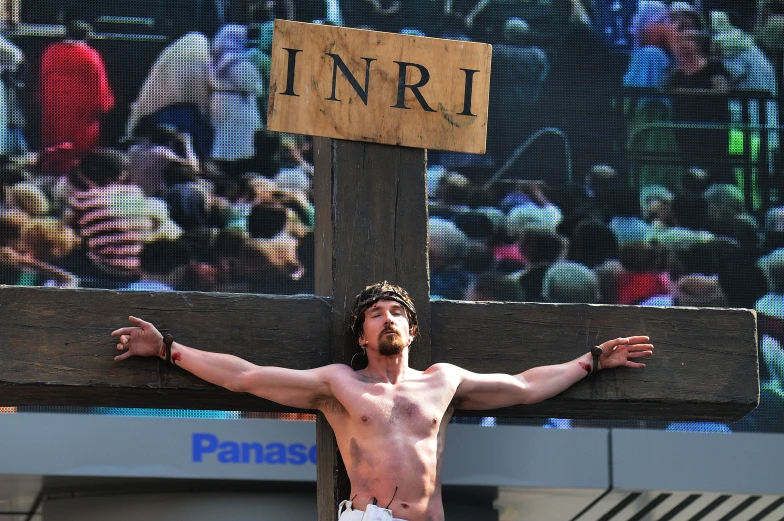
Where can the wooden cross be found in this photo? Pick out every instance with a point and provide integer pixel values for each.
(371, 225)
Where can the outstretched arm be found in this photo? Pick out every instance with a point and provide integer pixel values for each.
(290, 387)
(492, 391)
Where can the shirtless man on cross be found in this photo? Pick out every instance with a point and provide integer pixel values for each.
(389, 419)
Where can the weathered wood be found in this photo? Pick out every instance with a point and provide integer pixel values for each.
(322, 229)
(310, 94)
(380, 233)
(371, 201)
(56, 348)
(718, 346)
(332, 485)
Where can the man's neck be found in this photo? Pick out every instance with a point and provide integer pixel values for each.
(387, 369)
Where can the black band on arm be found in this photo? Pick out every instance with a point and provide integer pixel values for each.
(596, 352)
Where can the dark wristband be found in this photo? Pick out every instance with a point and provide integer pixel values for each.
(168, 340)
(596, 352)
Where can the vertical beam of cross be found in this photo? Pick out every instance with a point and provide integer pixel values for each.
(371, 224)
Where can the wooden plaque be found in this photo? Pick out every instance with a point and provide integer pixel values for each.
(379, 87)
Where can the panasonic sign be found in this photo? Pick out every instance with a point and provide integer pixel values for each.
(266, 449)
(208, 447)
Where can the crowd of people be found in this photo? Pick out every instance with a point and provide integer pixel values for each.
(198, 195)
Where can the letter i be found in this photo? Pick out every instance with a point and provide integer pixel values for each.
(292, 64)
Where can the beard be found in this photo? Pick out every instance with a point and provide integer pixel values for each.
(391, 345)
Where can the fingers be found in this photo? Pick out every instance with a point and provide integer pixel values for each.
(640, 347)
(138, 322)
(634, 365)
(123, 356)
(612, 344)
(638, 354)
(634, 341)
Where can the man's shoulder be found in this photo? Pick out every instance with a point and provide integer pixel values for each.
(444, 369)
(339, 378)
(337, 370)
(338, 367)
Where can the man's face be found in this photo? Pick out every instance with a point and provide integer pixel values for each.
(386, 328)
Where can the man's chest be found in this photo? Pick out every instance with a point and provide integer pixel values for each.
(401, 407)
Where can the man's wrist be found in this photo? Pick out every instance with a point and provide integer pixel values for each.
(165, 352)
(596, 363)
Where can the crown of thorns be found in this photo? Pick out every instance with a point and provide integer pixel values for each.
(380, 291)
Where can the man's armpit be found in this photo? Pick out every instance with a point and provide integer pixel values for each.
(456, 403)
(325, 403)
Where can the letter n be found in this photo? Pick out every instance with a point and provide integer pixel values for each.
(338, 63)
(256, 448)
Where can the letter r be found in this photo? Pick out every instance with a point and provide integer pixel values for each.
(402, 86)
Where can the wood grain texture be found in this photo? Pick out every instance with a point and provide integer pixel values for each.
(56, 346)
(380, 233)
(372, 203)
(300, 104)
(704, 367)
(322, 195)
(55, 349)
(332, 483)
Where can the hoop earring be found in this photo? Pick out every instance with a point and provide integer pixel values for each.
(364, 352)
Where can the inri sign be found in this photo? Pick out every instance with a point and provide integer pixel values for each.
(379, 87)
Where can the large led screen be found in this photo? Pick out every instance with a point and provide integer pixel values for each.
(633, 155)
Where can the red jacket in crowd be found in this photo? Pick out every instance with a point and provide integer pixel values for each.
(75, 93)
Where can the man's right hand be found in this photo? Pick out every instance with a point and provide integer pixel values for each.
(141, 340)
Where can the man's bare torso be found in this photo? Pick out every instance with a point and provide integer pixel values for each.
(391, 437)
(389, 420)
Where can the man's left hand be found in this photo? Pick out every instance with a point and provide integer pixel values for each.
(621, 351)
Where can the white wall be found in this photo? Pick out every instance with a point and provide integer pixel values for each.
(183, 507)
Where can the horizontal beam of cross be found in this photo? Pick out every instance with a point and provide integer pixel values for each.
(55, 348)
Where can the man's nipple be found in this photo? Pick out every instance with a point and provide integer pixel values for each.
(364, 418)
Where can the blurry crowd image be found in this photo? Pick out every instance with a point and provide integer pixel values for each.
(633, 157)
